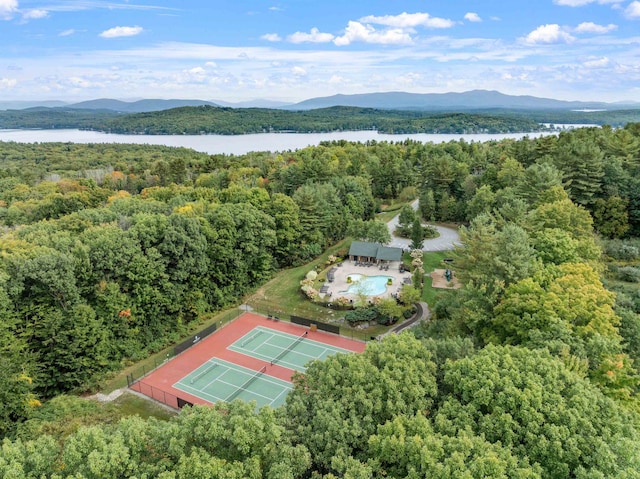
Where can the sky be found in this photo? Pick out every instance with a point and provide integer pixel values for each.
(291, 50)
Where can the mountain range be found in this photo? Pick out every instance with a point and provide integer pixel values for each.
(465, 101)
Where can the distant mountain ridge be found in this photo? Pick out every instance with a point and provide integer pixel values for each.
(22, 105)
(140, 106)
(470, 100)
(259, 103)
(437, 102)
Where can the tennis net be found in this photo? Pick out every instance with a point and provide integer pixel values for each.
(289, 348)
(247, 341)
(202, 373)
(237, 392)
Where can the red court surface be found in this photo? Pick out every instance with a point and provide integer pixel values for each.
(159, 383)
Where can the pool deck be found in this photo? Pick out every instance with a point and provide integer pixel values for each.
(349, 268)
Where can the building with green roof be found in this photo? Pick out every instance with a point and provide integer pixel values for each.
(373, 252)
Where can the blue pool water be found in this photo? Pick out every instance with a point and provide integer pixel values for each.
(367, 285)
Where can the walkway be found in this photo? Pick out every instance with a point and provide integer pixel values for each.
(422, 314)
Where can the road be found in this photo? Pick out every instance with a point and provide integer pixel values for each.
(447, 240)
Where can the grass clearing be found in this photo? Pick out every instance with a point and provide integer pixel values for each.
(282, 296)
(390, 211)
(130, 405)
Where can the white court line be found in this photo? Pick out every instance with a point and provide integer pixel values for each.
(285, 391)
(320, 344)
(206, 395)
(269, 336)
(250, 372)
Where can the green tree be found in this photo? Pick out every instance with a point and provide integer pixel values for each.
(537, 178)
(338, 404)
(417, 235)
(406, 219)
(389, 310)
(482, 202)
(374, 231)
(409, 447)
(610, 216)
(285, 213)
(530, 403)
(427, 205)
(581, 161)
(409, 295)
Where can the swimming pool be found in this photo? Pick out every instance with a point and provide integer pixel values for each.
(367, 285)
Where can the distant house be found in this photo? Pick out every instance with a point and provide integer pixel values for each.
(373, 252)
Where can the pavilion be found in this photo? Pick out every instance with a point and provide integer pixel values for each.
(365, 252)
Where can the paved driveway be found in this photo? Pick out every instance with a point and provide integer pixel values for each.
(447, 240)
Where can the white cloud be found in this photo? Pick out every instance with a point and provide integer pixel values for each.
(80, 82)
(590, 27)
(66, 33)
(314, 36)
(409, 20)
(271, 37)
(633, 10)
(472, 17)
(35, 14)
(581, 3)
(211, 65)
(116, 32)
(298, 71)
(8, 82)
(357, 32)
(550, 33)
(598, 63)
(8, 8)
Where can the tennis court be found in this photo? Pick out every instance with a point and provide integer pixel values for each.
(218, 380)
(251, 358)
(284, 349)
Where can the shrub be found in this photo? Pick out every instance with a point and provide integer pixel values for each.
(361, 315)
(430, 232)
(312, 275)
(342, 301)
(629, 274)
(407, 313)
(622, 251)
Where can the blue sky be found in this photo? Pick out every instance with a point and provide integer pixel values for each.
(293, 50)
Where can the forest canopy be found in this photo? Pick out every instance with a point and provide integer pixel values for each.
(110, 252)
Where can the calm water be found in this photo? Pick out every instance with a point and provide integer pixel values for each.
(367, 285)
(239, 144)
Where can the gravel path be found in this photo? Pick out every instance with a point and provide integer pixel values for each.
(447, 240)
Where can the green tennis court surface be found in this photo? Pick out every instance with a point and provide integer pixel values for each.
(287, 350)
(218, 380)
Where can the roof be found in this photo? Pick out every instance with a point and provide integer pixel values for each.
(375, 250)
(363, 248)
(388, 253)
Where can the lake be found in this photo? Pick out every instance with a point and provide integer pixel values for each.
(241, 144)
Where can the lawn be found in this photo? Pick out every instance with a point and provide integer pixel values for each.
(130, 404)
(431, 261)
(282, 297)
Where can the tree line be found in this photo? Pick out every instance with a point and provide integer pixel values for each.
(236, 121)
